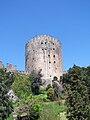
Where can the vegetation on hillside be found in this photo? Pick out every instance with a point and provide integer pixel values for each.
(21, 85)
(77, 86)
(6, 80)
(36, 103)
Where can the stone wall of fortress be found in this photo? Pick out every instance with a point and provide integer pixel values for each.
(43, 52)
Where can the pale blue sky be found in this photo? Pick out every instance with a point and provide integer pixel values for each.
(66, 20)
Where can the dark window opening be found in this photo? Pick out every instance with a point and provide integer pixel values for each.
(49, 62)
(41, 42)
(53, 43)
(45, 42)
(33, 58)
(50, 75)
(54, 62)
(42, 48)
(45, 48)
(54, 56)
(48, 55)
(53, 48)
(40, 70)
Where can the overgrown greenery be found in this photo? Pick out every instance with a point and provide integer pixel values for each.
(77, 86)
(28, 109)
(50, 94)
(36, 82)
(6, 80)
(35, 103)
(21, 85)
(51, 111)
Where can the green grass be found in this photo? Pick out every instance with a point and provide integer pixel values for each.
(51, 111)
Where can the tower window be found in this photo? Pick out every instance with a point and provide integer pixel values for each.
(54, 56)
(48, 55)
(49, 61)
(41, 42)
(53, 48)
(45, 42)
(54, 62)
(42, 48)
(53, 43)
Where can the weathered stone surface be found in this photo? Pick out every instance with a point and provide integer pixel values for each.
(44, 52)
(1, 65)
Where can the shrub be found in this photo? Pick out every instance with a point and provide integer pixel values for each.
(48, 86)
(36, 82)
(21, 85)
(50, 94)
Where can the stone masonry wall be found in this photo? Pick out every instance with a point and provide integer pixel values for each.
(43, 52)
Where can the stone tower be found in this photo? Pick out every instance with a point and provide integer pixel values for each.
(43, 52)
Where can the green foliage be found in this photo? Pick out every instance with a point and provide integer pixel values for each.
(29, 109)
(21, 85)
(48, 86)
(6, 80)
(36, 82)
(76, 85)
(51, 111)
(10, 117)
(50, 94)
(41, 98)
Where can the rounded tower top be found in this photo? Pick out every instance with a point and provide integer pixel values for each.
(41, 37)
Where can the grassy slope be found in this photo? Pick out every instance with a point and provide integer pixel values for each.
(51, 111)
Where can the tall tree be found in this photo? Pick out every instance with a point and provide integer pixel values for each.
(36, 82)
(6, 79)
(77, 101)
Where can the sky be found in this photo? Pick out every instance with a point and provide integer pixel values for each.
(66, 20)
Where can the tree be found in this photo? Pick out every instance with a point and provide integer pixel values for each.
(36, 82)
(77, 101)
(6, 80)
(21, 85)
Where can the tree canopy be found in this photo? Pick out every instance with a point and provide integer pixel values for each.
(76, 83)
(6, 80)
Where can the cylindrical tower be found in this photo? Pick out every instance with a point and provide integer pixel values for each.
(43, 52)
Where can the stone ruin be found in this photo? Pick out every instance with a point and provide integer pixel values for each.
(8, 67)
(11, 68)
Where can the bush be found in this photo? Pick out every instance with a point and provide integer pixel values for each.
(48, 86)
(28, 110)
(50, 94)
(21, 85)
(36, 82)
